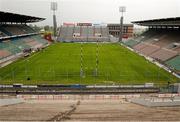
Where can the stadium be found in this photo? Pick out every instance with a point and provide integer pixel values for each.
(89, 72)
(89, 58)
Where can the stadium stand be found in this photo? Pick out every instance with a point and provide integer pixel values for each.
(139, 46)
(174, 63)
(147, 36)
(131, 42)
(13, 29)
(16, 36)
(98, 29)
(163, 54)
(83, 33)
(105, 31)
(4, 53)
(2, 34)
(177, 49)
(69, 33)
(76, 34)
(149, 49)
(91, 34)
(160, 42)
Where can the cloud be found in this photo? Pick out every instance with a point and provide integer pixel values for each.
(94, 10)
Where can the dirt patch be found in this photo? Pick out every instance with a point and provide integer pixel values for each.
(86, 110)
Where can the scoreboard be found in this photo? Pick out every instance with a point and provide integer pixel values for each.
(84, 24)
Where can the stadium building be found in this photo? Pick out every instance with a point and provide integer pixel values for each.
(17, 39)
(89, 61)
(83, 32)
(86, 71)
(88, 32)
(161, 42)
(114, 30)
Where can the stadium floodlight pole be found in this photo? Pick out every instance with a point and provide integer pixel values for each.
(54, 9)
(122, 9)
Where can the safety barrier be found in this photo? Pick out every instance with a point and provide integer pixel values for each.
(77, 97)
(90, 97)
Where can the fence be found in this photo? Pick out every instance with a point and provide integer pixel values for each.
(92, 97)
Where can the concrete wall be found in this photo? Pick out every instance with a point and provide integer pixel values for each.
(156, 102)
(77, 97)
(4, 102)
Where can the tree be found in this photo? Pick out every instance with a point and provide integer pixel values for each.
(47, 28)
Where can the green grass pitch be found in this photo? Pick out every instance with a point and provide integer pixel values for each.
(60, 64)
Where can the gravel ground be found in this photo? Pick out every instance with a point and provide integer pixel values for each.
(86, 110)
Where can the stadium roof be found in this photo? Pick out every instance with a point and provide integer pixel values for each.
(6, 17)
(117, 24)
(159, 22)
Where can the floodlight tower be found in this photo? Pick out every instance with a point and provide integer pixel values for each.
(54, 9)
(122, 9)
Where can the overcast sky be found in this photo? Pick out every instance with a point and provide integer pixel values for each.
(95, 11)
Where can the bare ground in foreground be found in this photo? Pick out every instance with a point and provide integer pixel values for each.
(86, 110)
